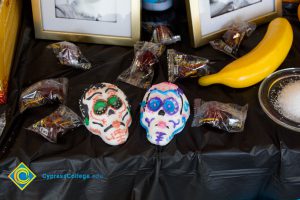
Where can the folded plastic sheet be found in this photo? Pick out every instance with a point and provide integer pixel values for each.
(201, 163)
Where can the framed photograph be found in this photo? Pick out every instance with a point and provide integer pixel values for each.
(208, 19)
(115, 22)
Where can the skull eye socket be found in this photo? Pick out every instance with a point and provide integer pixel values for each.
(154, 104)
(171, 106)
(100, 107)
(115, 102)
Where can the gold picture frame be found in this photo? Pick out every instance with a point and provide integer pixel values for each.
(196, 37)
(135, 17)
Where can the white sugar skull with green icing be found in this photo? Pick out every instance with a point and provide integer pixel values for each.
(106, 112)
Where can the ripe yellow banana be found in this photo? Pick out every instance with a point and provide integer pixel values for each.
(263, 60)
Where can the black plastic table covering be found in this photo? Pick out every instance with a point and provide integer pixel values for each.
(262, 162)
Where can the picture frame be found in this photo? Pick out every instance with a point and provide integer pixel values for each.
(78, 21)
(205, 24)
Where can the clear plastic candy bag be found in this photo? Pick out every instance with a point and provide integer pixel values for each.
(141, 71)
(56, 124)
(149, 26)
(220, 45)
(227, 117)
(162, 34)
(43, 92)
(182, 65)
(2, 122)
(233, 37)
(70, 55)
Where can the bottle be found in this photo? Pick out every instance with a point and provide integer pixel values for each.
(157, 5)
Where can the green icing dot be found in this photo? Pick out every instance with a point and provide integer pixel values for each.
(86, 121)
(99, 106)
(113, 100)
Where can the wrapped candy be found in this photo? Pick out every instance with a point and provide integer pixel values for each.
(57, 123)
(141, 71)
(233, 37)
(69, 54)
(162, 34)
(182, 65)
(228, 117)
(220, 45)
(2, 123)
(43, 92)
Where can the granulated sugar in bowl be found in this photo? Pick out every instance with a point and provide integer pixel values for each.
(288, 101)
(279, 97)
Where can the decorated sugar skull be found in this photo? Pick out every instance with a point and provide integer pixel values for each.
(106, 112)
(164, 112)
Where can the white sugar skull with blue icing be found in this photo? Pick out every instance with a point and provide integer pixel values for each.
(164, 112)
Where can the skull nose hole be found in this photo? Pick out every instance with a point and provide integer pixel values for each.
(161, 112)
(111, 112)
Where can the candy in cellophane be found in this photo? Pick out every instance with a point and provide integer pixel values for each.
(162, 34)
(220, 45)
(227, 117)
(141, 71)
(182, 65)
(2, 122)
(56, 124)
(43, 92)
(233, 37)
(69, 54)
(149, 26)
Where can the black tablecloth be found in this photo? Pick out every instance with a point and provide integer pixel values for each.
(263, 162)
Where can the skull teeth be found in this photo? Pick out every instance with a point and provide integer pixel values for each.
(159, 137)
